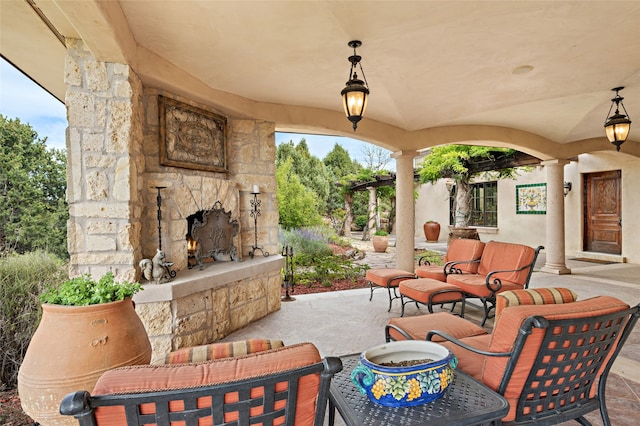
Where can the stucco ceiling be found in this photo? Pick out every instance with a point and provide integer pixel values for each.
(431, 65)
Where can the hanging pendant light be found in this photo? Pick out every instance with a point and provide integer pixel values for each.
(617, 126)
(355, 95)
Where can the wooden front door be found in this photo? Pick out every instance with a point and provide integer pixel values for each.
(603, 215)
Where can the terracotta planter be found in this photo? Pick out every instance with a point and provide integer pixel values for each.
(71, 348)
(380, 243)
(431, 231)
(468, 233)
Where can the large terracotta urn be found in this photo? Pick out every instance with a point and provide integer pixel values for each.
(71, 348)
(431, 231)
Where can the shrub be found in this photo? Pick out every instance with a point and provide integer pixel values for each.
(381, 233)
(361, 221)
(433, 257)
(307, 243)
(22, 279)
(313, 258)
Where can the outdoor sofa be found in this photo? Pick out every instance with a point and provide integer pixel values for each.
(257, 381)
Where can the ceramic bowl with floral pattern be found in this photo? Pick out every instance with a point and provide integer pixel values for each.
(404, 373)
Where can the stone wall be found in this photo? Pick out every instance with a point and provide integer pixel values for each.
(250, 159)
(105, 115)
(113, 169)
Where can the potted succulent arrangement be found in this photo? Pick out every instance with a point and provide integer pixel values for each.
(431, 230)
(87, 327)
(380, 241)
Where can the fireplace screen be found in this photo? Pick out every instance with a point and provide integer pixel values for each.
(212, 232)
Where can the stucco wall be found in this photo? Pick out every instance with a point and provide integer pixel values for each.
(432, 203)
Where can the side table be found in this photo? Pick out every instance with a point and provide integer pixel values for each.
(466, 402)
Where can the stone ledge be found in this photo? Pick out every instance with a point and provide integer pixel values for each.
(217, 274)
(605, 257)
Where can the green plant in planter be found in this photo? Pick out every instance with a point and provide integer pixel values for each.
(381, 233)
(83, 290)
(80, 336)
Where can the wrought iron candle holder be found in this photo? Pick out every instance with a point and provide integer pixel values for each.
(288, 282)
(158, 269)
(255, 212)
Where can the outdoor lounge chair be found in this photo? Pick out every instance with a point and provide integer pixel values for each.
(502, 267)
(430, 288)
(287, 385)
(549, 360)
(462, 252)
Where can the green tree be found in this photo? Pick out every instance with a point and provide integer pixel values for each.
(297, 205)
(452, 161)
(33, 211)
(309, 169)
(339, 162)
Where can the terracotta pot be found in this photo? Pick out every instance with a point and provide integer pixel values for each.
(71, 348)
(380, 243)
(431, 231)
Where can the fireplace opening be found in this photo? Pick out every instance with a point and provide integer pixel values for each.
(210, 235)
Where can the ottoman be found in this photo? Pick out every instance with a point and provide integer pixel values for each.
(429, 291)
(388, 278)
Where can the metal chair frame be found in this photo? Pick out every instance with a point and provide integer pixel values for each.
(389, 287)
(495, 284)
(81, 404)
(573, 362)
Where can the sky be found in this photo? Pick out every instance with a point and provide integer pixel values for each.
(22, 98)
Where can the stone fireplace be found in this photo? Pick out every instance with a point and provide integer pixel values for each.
(185, 197)
(114, 168)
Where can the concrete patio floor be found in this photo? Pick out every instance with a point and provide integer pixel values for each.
(345, 322)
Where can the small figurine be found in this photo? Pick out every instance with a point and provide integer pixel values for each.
(157, 269)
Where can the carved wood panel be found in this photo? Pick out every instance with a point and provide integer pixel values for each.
(603, 212)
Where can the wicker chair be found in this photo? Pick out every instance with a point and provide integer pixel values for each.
(288, 385)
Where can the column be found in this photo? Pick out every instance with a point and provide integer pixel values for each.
(371, 211)
(554, 247)
(105, 115)
(405, 213)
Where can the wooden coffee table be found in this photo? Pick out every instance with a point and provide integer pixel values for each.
(466, 402)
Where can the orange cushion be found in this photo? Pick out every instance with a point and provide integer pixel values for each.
(463, 249)
(506, 329)
(460, 250)
(434, 272)
(475, 284)
(470, 362)
(506, 256)
(148, 378)
(422, 288)
(418, 326)
(534, 296)
(219, 350)
(387, 277)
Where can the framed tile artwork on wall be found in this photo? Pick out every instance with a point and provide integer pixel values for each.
(191, 137)
(531, 198)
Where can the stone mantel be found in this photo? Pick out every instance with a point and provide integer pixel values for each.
(217, 274)
(203, 306)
